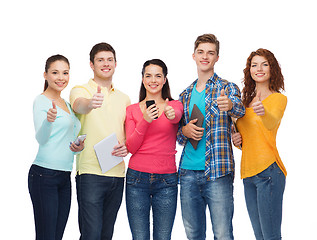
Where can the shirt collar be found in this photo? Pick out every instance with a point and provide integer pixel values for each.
(213, 78)
(93, 84)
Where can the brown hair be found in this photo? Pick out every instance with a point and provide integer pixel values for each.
(207, 38)
(49, 62)
(276, 80)
(99, 47)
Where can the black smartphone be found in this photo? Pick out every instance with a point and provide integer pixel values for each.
(149, 103)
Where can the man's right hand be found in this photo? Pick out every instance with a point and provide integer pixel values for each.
(97, 99)
(192, 131)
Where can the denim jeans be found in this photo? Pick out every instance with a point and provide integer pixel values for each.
(99, 199)
(50, 192)
(196, 193)
(146, 190)
(264, 198)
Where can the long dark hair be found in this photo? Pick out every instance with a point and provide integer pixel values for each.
(166, 93)
(49, 62)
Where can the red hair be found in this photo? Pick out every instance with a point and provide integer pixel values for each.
(276, 80)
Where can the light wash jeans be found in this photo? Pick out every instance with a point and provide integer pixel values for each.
(196, 193)
(264, 197)
(146, 190)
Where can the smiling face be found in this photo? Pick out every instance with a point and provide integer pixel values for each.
(153, 79)
(57, 76)
(205, 56)
(104, 65)
(260, 69)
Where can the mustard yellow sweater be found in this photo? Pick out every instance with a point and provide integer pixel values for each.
(259, 136)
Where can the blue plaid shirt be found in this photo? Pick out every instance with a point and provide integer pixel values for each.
(219, 157)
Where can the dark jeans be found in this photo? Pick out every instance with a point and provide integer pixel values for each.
(145, 191)
(50, 192)
(99, 199)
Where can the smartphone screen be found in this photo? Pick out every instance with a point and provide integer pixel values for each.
(149, 103)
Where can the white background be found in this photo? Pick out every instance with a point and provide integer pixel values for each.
(31, 31)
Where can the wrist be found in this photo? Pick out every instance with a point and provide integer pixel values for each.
(146, 118)
(230, 105)
(90, 105)
(184, 128)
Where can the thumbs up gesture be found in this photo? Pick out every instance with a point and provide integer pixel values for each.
(97, 99)
(224, 103)
(52, 113)
(169, 110)
(257, 106)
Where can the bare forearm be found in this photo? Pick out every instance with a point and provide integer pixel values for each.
(82, 106)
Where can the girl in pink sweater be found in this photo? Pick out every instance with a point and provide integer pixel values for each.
(151, 138)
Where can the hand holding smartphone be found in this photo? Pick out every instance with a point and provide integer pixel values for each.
(80, 138)
(78, 144)
(150, 103)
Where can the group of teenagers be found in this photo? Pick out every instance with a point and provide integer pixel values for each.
(206, 171)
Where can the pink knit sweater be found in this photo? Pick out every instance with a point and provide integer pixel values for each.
(152, 144)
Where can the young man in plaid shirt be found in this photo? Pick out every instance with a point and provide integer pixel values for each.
(206, 173)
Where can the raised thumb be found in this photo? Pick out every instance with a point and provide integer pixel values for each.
(222, 93)
(98, 89)
(166, 102)
(53, 104)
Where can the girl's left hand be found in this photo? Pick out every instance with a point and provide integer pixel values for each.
(169, 111)
(236, 139)
(73, 147)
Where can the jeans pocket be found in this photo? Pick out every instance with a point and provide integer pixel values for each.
(171, 180)
(277, 169)
(49, 173)
(44, 172)
(131, 180)
(182, 172)
(265, 175)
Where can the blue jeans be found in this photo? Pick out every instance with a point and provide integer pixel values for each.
(196, 193)
(264, 197)
(99, 199)
(146, 190)
(50, 192)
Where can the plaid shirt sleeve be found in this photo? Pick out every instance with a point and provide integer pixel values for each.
(184, 98)
(181, 139)
(234, 95)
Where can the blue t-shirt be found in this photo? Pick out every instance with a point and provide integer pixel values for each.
(54, 137)
(195, 159)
